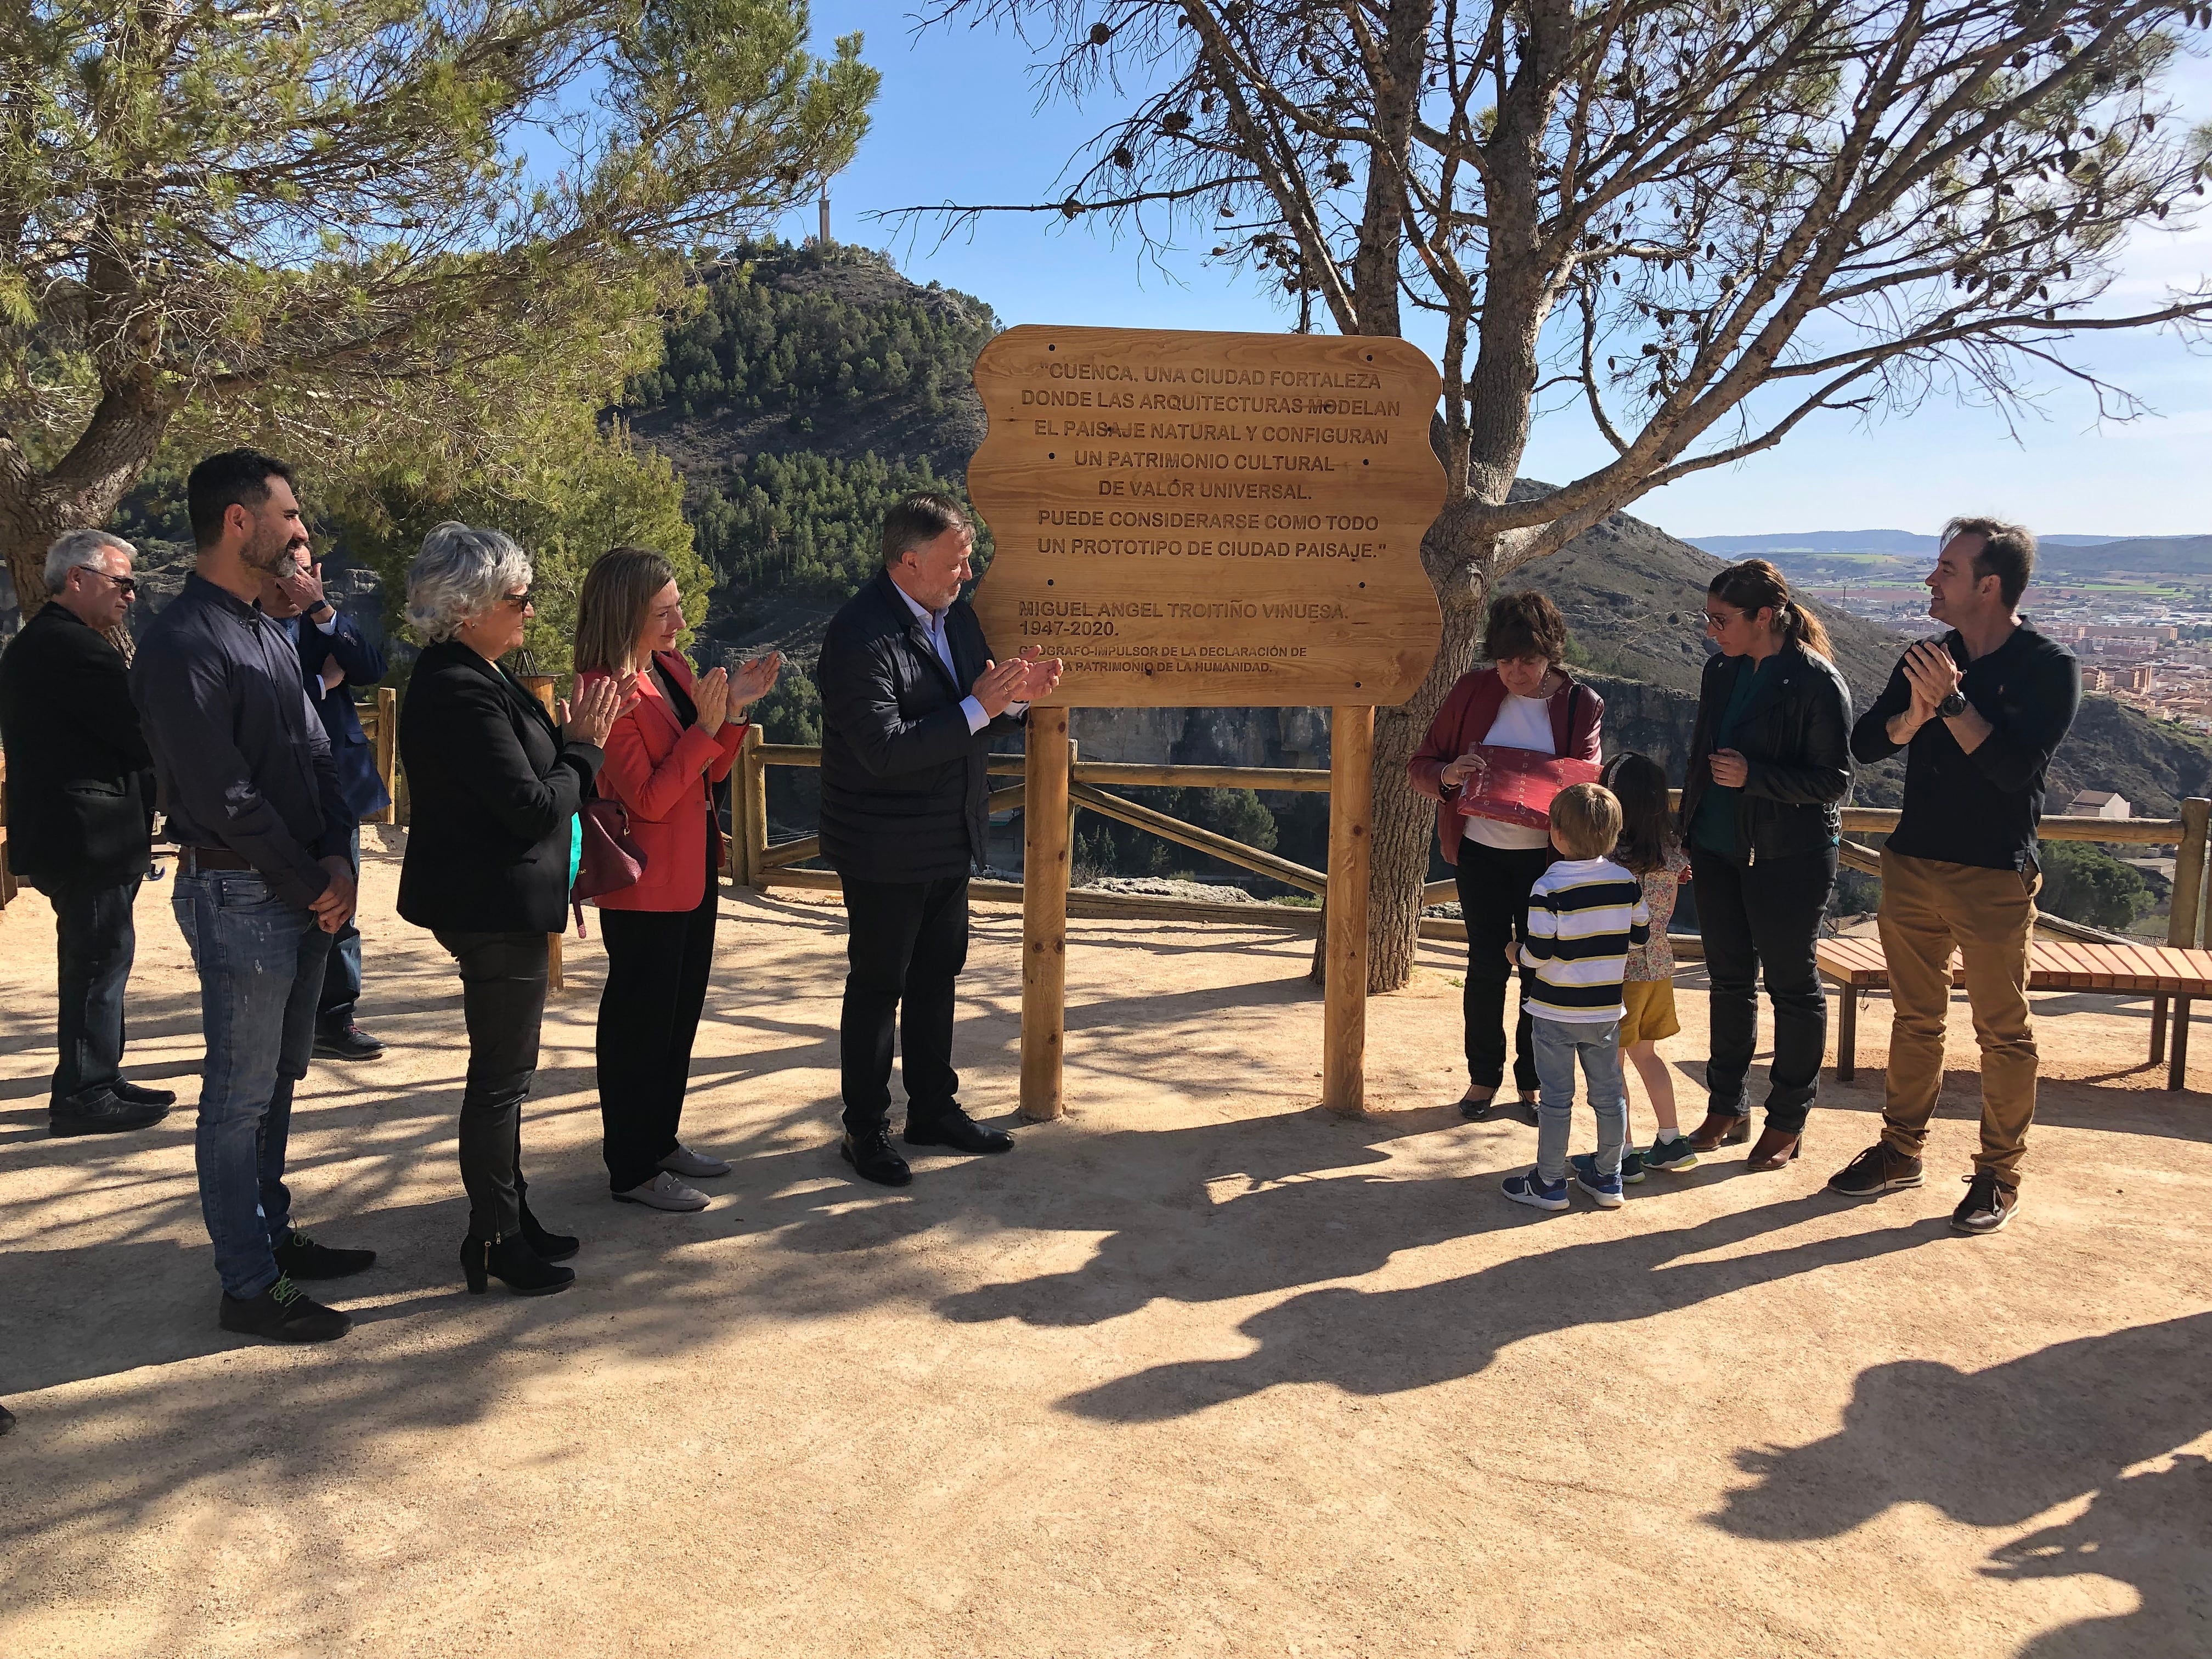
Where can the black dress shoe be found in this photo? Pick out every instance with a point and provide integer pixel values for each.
(348, 1042)
(513, 1263)
(300, 1257)
(551, 1247)
(285, 1313)
(874, 1158)
(956, 1129)
(100, 1111)
(124, 1089)
(6, 1419)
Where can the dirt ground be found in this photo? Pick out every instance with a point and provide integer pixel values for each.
(1198, 1370)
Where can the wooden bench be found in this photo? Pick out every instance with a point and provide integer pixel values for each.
(1853, 965)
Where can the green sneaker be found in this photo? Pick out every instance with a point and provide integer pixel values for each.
(1674, 1154)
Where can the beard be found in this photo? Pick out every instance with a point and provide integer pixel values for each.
(271, 552)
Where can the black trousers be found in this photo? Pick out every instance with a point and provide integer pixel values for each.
(657, 963)
(96, 942)
(503, 1001)
(1493, 901)
(909, 942)
(1763, 920)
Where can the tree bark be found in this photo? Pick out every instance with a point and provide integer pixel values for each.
(80, 489)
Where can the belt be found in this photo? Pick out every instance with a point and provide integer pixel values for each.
(196, 858)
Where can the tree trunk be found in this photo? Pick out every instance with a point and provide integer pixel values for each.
(1405, 820)
(80, 490)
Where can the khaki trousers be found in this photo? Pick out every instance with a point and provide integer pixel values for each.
(1927, 907)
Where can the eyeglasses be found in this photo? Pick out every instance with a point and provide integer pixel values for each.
(1716, 620)
(124, 585)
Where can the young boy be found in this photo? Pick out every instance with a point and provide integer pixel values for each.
(1584, 913)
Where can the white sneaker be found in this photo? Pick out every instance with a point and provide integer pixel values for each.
(665, 1192)
(699, 1166)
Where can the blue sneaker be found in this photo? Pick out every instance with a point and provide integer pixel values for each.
(1584, 1164)
(1604, 1190)
(1671, 1155)
(1530, 1189)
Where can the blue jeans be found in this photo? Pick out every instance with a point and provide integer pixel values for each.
(260, 959)
(342, 977)
(1557, 1042)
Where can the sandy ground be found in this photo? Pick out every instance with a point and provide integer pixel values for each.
(1198, 1370)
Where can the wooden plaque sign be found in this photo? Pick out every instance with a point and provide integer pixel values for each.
(1198, 519)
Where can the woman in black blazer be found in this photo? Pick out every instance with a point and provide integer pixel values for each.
(494, 786)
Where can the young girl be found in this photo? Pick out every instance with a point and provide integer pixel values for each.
(1650, 848)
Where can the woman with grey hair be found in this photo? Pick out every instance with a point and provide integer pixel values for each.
(495, 783)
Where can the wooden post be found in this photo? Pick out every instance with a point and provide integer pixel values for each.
(743, 832)
(387, 751)
(540, 686)
(1046, 819)
(1351, 842)
(2187, 899)
(752, 783)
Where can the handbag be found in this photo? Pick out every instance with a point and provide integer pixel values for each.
(608, 861)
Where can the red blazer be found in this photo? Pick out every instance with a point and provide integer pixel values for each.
(1469, 711)
(663, 773)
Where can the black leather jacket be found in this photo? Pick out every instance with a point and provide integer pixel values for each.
(1796, 738)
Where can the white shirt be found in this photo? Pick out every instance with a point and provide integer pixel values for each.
(933, 625)
(1522, 723)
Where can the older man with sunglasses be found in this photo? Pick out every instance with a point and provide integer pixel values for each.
(80, 818)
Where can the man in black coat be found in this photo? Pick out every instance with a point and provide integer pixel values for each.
(81, 816)
(334, 654)
(909, 695)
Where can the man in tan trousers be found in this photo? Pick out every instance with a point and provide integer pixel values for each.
(1980, 712)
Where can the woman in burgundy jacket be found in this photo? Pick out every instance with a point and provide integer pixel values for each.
(1523, 700)
(665, 758)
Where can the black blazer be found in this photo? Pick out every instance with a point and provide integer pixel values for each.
(492, 786)
(364, 667)
(79, 776)
(1795, 738)
(904, 791)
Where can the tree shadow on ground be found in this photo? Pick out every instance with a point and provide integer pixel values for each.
(1997, 1448)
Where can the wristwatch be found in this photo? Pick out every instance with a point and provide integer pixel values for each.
(1952, 706)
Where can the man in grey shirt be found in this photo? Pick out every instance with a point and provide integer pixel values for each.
(262, 882)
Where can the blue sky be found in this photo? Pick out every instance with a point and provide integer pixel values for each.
(959, 119)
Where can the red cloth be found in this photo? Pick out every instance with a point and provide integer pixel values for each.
(1470, 710)
(1516, 786)
(664, 771)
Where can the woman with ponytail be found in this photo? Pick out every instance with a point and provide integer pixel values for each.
(1770, 765)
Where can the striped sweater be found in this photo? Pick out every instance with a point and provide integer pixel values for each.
(1584, 915)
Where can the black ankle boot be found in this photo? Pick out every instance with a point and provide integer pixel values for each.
(513, 1263)
(551, 1247)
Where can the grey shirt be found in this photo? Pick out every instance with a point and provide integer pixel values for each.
(241, 760)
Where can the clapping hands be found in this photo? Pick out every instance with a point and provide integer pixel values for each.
(1021, 679)
(599, 703)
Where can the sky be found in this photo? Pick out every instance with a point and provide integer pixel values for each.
(960, 119)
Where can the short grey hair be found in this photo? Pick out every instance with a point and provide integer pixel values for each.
(461, 572)
(76, 550)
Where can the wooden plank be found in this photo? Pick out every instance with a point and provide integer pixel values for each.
(1310, 779)
(1210, 519)
(1351, 842)
(1045, 862)
(1204, 841)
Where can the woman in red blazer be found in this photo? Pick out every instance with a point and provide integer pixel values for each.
(1525, 700)
(664, 759)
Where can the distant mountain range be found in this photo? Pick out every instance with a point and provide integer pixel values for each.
(2170, 556)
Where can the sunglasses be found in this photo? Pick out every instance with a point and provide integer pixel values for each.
(124, 585)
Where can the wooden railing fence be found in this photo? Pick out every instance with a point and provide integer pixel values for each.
(756, 863)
